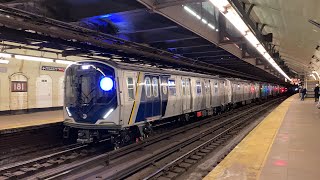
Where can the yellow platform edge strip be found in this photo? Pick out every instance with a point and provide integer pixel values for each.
(247, 159)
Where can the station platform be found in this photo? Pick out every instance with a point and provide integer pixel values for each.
(284, 146)
(14, 123)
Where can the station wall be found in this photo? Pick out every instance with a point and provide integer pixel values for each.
(30, 84)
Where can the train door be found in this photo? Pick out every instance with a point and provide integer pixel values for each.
(129, 101)
(222, 92)
(198, 94)
(186, 94)
(207, 93)
(156, 102)
(214, 96)
(164, 94)
(150, 104)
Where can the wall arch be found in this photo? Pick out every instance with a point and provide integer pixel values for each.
(18, 91)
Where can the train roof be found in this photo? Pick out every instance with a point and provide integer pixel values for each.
(154, 69)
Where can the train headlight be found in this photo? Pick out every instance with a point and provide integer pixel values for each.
(106, 84)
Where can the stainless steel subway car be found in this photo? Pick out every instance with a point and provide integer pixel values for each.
(121, 101)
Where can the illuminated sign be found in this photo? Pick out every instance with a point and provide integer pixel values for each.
(52, 68)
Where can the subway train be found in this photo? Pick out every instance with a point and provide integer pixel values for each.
(123, 102)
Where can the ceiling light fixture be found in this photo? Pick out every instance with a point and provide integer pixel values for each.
(190, 11)
(211, 26)
(231, 14)
(32, 58)
(5, 55)
(4, 61)
(204, 21)
(64, 62)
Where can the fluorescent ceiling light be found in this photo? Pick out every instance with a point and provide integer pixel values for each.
(5, 55)
(211, 26)
(232, 15)
(190, 11)
(32, 58)
(4, 61)
(64, 62)
(204, 21)
(252, 39)
(314, 77)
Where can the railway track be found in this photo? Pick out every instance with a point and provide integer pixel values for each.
(77, 152)
(123, 162)
(78, 158)
(18, 144)
(183, 162)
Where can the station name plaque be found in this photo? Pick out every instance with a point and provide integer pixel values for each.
(19, 86)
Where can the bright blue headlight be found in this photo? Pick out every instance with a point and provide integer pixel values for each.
(106, 84)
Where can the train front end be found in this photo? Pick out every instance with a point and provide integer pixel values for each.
(91, 110)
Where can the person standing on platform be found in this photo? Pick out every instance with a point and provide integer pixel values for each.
(316, 93)
(303, 93)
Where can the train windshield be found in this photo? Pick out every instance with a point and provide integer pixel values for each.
(89, 90)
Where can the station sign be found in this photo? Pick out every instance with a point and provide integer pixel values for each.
(19, 86)
(53, 68)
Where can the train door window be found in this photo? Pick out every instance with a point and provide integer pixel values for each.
(198, 87)
(164, 86)
(130, 86)
(155, 87)
(208, 87)
(148, 86)
(172, 87)
(188, 86)
(183, 87)
(216, 87)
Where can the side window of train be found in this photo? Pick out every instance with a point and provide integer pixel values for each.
(155, 87)
(198, 86)
(130, 86)
(172, 87)
(147, 82)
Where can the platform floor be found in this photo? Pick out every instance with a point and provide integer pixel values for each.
(31, 119)
(284, 146)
